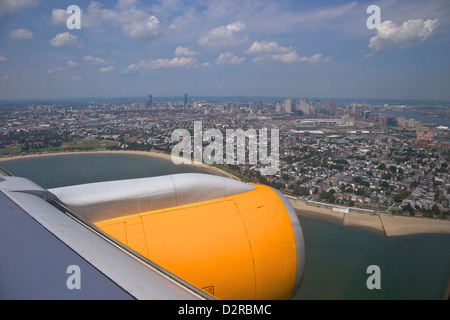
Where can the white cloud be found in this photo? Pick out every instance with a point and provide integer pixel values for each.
(223, 36)
(21, 34)
(145, 28)
(268, 17)
(131, 69)
(72, 64)
(2, 58)
(228, 58)
(272, 52)
(9, 6)
(143, 65)
(125, 4)
(133, 22)
(184, 52)
(64, 39)
(167, 8)
(267, 48)
(77, 78)
(59, 16)
(178, 62)
(315, 58)
(94, 60)
(106, 69)
(57, 70)
(411, 32)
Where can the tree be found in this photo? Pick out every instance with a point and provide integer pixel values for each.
(26, 147)
(435, 209)
(414, 184)
(436, 195)
(409, 208)
(304, 192)
(300, 191)
(386, 176)
(329, 196)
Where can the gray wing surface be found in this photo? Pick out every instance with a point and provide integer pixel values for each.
(46, 249)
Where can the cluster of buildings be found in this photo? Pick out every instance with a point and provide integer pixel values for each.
(378, 172)
(342, 153)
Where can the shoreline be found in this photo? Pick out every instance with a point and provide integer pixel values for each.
(389, 225)
(152, 154)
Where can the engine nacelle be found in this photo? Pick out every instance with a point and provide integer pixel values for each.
(231, 239)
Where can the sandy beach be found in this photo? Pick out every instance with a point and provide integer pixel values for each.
(389, 225)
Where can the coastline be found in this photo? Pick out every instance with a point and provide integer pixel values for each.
(389, 225)
(152, 154)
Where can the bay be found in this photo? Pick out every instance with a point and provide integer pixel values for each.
(337, 257)
(64, 170)
(424, 118)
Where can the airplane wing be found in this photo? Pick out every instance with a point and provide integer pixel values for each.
(187, 236)
(41, 242)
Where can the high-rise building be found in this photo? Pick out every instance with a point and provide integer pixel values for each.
(185, 99)
(331, 107)
(304, 106)
(317, 107)
(401, 121)
(413, 123)
(278, 107)
(149, 101)
(289, 105)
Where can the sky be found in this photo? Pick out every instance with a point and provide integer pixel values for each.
(285, 48)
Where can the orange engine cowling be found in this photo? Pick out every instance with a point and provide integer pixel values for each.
(229, 238)
(237, 247)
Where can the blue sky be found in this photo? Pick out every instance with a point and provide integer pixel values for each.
(280, 48)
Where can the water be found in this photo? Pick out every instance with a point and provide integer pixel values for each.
(337, 257)
(424, 118)
(59, 171)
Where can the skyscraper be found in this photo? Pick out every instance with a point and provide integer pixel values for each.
(185, 99)
(289, 105)
(304, 106)
(149, 101)
(331, 107)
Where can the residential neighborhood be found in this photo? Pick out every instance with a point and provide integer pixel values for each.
(343, 153)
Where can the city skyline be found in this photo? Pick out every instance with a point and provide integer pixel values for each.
(225, 48)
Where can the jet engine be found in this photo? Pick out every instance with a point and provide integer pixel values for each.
(231, 239)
